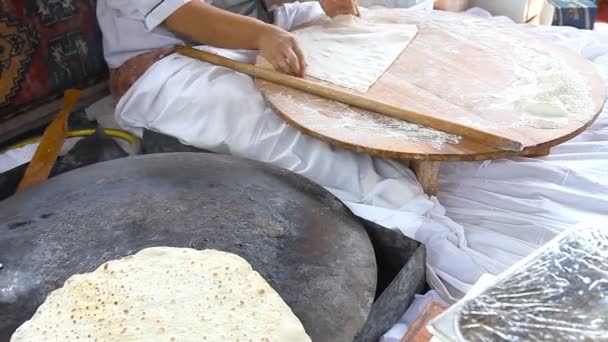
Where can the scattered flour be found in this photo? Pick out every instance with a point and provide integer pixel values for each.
(546, 90)
(542, 87)
(330, 116)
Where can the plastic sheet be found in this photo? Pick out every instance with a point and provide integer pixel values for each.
(558, 294)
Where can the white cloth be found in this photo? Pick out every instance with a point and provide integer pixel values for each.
(102, 112)
(510, 207)
(216, 109)
(13, 158)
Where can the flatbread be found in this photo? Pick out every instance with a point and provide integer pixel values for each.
(165, 294)
(351, 52)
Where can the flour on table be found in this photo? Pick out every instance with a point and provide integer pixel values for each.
(165, 294)
(351, 52)
(543, 89)
(546, 90)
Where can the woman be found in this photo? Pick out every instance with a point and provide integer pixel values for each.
(220, 110)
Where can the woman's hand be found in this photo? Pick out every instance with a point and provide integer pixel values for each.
(334, 8)
(280, 49)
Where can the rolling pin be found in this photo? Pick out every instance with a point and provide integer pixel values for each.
(350, 98)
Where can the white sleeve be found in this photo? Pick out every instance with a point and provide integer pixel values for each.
(295, 14)
(152, 12)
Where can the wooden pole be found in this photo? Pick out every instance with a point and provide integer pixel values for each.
(350, 98)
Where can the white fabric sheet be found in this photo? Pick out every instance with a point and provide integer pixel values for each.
(492, 214)
(510, 207)
(13, 158)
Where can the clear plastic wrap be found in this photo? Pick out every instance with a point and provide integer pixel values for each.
(559, 293)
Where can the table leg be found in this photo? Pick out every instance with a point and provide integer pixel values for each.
(427, 173)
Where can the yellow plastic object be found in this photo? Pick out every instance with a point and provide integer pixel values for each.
(115, 133)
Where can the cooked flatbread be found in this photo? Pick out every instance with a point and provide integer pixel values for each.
(165, 294)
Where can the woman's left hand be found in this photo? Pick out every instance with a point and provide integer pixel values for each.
(339, 7)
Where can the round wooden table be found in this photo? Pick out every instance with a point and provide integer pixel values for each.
(451, 70)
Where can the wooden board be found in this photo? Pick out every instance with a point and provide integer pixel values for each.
(455, 63)
(50, 145)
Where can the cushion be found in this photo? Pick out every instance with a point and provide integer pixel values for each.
(46, 47)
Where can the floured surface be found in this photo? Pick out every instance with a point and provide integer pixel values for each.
(527, 82)
(165, 294)
(352, 52)
(353, 121)
(487, 75)
(544, 89)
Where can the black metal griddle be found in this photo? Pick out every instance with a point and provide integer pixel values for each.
(301, 239)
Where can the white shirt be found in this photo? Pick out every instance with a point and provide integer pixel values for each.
(132, 27)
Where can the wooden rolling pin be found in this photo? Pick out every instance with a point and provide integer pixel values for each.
(380, 107)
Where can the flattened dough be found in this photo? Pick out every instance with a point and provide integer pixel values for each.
(351, 52)
(165, 294)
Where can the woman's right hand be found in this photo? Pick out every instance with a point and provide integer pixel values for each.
(281, 49)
